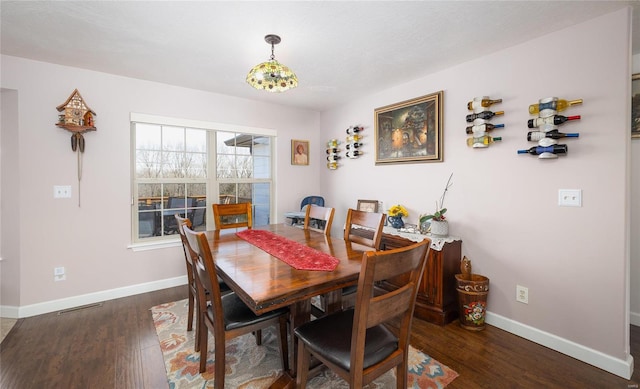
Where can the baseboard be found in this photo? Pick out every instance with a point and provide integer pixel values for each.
(634, 318)
(619, 367)
(90, 298)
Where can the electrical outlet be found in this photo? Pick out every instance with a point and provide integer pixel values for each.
(522, 294)
(62, 191)
(59, 274)
(570, 197)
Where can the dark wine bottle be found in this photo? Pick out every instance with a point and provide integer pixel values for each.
(354, 130)
(354, 145)
(486, 127)
(554, 134)
(554, 149)
(483, 115)
(555, 120)
(332, 151)
(353, 154)
(332, 157)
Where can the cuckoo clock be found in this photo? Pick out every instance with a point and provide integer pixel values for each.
(77, 118)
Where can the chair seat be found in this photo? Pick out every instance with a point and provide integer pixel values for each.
(330, 337)
(237, 314)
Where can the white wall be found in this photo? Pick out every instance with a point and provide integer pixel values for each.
(91, 241)
(505, 206)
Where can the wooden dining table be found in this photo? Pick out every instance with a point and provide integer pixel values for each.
(265, 283)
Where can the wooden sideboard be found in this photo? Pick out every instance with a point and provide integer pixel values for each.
(437, 300)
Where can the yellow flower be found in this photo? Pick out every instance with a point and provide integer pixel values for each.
(398, 210)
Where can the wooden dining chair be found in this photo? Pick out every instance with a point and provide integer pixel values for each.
(355, 343)
(232, 215)
(226, 316)
(368, 232)
(323, 218)
(364, 228)
(189, 257)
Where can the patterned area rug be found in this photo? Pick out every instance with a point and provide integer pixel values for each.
(255, 367)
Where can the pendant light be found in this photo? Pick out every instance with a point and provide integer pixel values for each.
(272, 76)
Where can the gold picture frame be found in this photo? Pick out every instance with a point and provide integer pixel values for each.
(635, 105)
(299, 152)
(410, 131)
(368, 206)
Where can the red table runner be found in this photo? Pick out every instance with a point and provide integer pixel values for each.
(295, 254)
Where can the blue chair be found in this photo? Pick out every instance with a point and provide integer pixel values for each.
(297, 218)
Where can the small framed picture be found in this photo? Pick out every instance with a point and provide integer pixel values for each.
(368, 205)
(299, 152)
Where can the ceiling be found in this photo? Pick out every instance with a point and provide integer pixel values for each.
(339, 50)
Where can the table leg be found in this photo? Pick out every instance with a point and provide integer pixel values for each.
(299, 313)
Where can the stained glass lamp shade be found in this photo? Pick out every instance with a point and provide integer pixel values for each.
(272, 76)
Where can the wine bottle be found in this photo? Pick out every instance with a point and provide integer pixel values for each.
(555, 105)
(333, 143)
(484, 140)
(333, 150)
(555, 149)
(483, 115)
(354, 145)
(354, 130)
(332, 157)
(354, 138)
(332, 165)
(554, 134)
(482, 103)
(554, 120)
(486, 127)
(353, 154)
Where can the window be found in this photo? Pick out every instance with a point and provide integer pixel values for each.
(183, 167)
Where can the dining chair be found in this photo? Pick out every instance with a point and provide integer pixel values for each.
(232, 215)
(364, 228)
(189, 257)
(355, 343)
(319, 219)
(226, 316)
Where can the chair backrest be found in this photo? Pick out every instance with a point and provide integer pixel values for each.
(370, 231)
(232, 215)
(322, 215)
(206, 276)
(373, 308)
(188, 251)
(309, 200)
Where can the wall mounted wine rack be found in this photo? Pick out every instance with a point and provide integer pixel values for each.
(480, 128)
(333, 154)
(544, 128)
(354, 142)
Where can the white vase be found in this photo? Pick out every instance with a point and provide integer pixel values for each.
(439, 227)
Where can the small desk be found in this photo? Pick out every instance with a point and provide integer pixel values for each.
(266, 283)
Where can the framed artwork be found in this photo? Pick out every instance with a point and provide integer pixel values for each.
(409, 131)
(368, 205)
(299, 152)
(635, 105)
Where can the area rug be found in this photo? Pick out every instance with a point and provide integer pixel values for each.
(255, 367)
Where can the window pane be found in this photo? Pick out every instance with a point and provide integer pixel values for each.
(172, 138)
(148, 136)
(227, 192)
(173, 164)
(148, 163)
(245, 193)
(196, 165)
(196, 140)
(225, 142)
(262, 145)
(262, 167)
(244, 166)
(261, 204)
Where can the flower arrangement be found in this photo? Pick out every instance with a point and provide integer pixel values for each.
(438, 215)
(398, 211)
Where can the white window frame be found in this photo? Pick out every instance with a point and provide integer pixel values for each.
(138, 244)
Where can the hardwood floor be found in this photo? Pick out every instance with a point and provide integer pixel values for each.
(115, 346)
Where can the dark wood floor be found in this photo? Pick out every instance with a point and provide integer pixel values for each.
(115, 346)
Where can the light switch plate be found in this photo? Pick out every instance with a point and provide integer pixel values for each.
(570, 197)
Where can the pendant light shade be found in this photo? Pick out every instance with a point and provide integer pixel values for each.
(272, 76)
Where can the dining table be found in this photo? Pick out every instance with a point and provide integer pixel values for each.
(264, 282)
